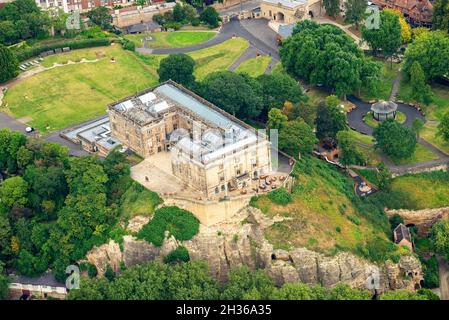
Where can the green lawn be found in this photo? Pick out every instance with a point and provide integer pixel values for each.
(58, 98)
(429, 133)
(369, 120)
(424, 190)
(176, 39)
(362, 138)
(219, 57)
(255, 66)
(138, 200)
(421, 154)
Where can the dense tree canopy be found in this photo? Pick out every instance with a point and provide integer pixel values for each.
(235, 93)
(350, 154)
(8, 64)
(324, 54)
(420, 89)
(443, 127)
(387, 37)
(211, 17)
(22, 19)
(101, 16)
(177, 67)
(331, 119)
(332, 7)
(396, 141)
(441, 15)
(355, 11)
(431, 50)
(297, 137)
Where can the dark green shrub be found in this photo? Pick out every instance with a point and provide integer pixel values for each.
(128, 45)
(109, 274)
(431, 273)
(180, 254)
(91, 270)
(338, 229)
(280, 196)
(354, 220)
(182, 224)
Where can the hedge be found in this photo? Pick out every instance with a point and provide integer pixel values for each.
(182, 224)
(28, 53)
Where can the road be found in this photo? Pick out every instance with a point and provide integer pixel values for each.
(11, 123)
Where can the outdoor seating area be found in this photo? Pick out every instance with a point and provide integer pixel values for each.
(26, 65)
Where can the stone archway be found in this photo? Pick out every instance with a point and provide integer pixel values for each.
(279, 17)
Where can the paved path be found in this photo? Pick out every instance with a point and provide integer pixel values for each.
(250, 30)
(395, 88)
(355, 117)
(249, 53)
(443, 268)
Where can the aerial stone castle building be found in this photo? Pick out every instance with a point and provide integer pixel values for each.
(211, 150)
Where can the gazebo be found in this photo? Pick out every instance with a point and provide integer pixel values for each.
(383, 110)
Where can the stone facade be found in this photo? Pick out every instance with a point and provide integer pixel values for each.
(211, 151)
(134, 15)
(289, 11)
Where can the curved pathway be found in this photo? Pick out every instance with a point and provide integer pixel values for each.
(255, 31)
(355, 120)
(355, 116)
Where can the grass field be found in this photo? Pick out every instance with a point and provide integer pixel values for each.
(324, 215)
(429, 133)
(424, 190)
(58, 98)
(177, 39)
(421, 154)
(219, 57)
(255, 66)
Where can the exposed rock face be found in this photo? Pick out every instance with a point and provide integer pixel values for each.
(136, 223)
(422, 219)
(240, 241)
(104, 255)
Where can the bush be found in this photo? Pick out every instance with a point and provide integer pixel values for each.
(196, 22)
(109, 274)
(128, 45)
(91, 270)
(280, 196)
(180, 254)
(182, 224)
(354, 220)
(431, 273)
(27, 53)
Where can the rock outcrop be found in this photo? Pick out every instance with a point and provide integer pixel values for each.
(422, 219)
(240, 241)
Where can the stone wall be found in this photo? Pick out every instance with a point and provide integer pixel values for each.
(422, 219)
(418, 169)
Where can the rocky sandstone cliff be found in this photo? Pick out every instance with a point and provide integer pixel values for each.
(240, 241)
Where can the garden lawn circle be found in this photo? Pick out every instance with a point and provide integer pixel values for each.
(369, 119)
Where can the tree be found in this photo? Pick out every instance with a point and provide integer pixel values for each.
(278, 88)
(234, 93)
(178, 13)
(350, 154)
(443, 127)
(355, 11)
(324, 54)
(441, 15)
(406, 29)
(101, 17)
(4, 282)
(299, 291)
(332, 7)
(177, 67)
(383, 177)
(8, 33)
(244, 282)
(330, 120)
(276, 119)
(387, 37)
(297, 137)
(211, 17)
(402, 294)
(305, 111)
(8, 64)
(417, 126)
(431, 50)
(14, 192)
(396, 141)
(420, 89)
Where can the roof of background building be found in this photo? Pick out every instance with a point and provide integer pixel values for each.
(142, 27)
(287, 3)
(286, 30)
(47, 279)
